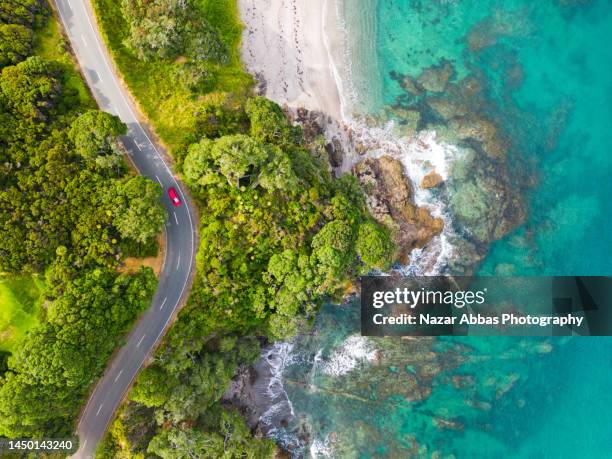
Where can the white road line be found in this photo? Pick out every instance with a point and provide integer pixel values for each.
(85, 443)
(157, 178)
(163, 302)
(98, 412)
(118, 374)
(84, 39)
(137, 145)
(175, 218)
(180, 191)
(139, 127)
(140, 341)
(178, 261)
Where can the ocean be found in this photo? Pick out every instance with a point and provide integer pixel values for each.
(512, 103)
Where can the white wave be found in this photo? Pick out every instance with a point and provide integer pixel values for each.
(321, 448)
(354, 351)
(278, 357)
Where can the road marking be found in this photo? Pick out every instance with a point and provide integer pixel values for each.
(118, 374)
(137, 145)
(84, 40)
(175, 218)
(98, 44)
(163, 302)
(158, 179)
(98, 412)
(85, 443)
(140, 342)
(178, 261)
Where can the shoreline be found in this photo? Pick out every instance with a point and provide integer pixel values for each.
(287, 46)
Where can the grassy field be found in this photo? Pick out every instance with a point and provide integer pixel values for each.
(19, 308)
(173, 109)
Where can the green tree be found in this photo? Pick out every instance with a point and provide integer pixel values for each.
(137, 209)
(333, 250)
(31, 88)
(269, 124)
(374, 245)
(15, 43)
(23, 12)
(94, 134)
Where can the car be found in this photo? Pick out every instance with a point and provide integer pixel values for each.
(174, 196)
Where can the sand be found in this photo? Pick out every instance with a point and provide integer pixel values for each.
(285, 45)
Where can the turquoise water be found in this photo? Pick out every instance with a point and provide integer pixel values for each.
(545, 69)
(463, 398)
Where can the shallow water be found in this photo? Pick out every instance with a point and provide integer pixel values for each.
(545, 70)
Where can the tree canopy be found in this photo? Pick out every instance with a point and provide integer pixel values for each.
(70, 210)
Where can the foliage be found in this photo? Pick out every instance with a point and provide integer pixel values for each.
(374, 246)
(138, 212)
(278, 235)
(269, 123)
(94, 133)
(229, 438)
(68, 209)
(168, 28)
(183, 96)
(49, 375)
(23, 12)
(15, 43)
(63, 177)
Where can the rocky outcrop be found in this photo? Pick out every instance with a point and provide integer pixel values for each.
(389, 196)
(431, 180)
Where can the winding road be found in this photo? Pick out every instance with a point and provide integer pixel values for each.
(174, 282)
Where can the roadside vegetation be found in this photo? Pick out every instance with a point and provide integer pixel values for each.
(278, 234)
(70, 212)
(180, 59)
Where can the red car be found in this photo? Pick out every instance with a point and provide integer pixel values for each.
(174, 197)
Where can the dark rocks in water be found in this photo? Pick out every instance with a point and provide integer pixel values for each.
(410, 85)
(483, 200)
(432, 79)
(447, 109)
(389, 197)
(484, 132)
(436, 77)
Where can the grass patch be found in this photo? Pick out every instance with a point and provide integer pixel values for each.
(49, 43)
(20, 308)
(171, 108)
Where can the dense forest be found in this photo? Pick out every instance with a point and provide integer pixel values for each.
(278, 234)
(70, 211)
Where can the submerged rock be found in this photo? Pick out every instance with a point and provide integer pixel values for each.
(436, 77)
(483, 131)
(389, 197)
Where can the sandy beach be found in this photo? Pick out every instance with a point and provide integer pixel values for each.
(285, 44)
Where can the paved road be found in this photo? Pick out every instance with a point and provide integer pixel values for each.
(87, 44)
